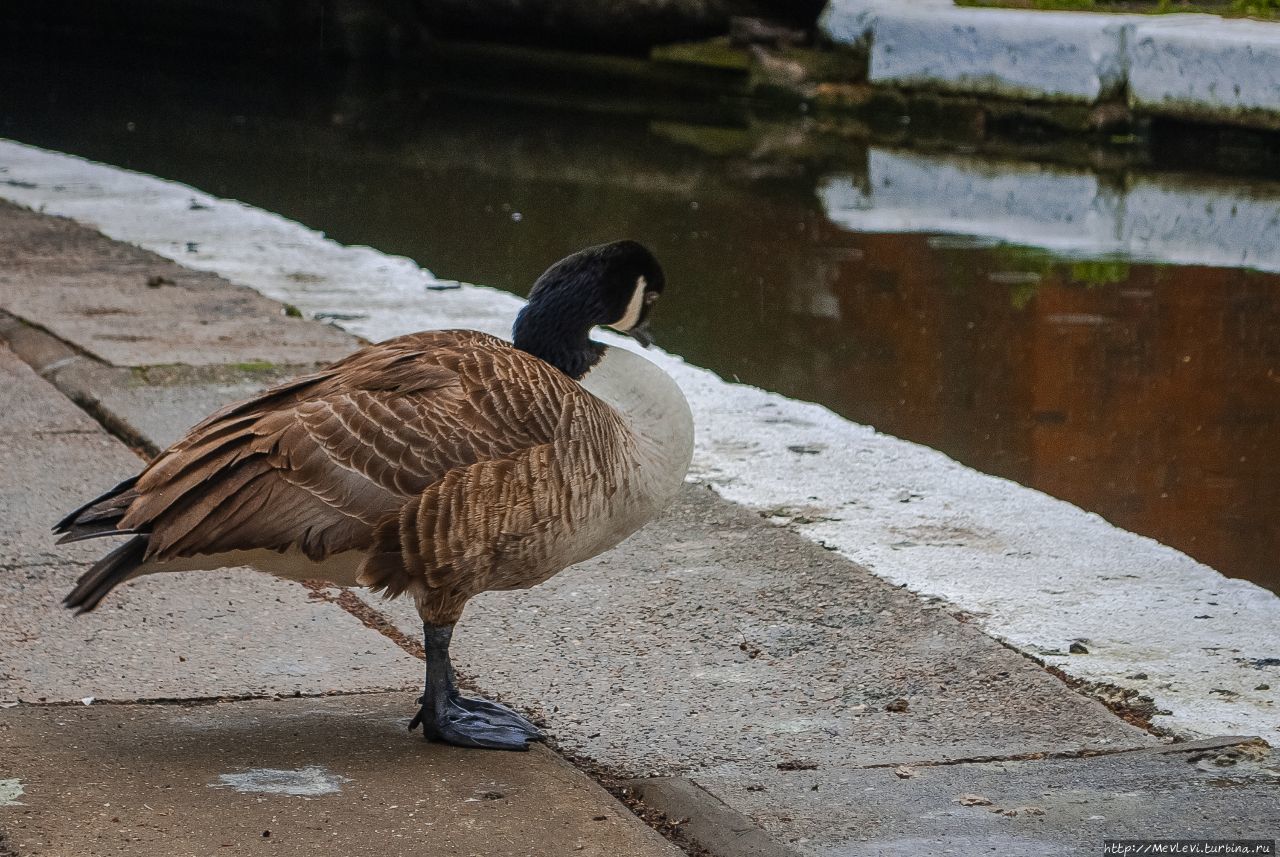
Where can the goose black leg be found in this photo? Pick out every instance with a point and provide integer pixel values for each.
(449, 717)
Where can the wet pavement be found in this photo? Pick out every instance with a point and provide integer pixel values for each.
(335, 776)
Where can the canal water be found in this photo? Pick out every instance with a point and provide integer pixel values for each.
(1110, 338)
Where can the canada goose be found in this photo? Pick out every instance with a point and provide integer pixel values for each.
(439, 464)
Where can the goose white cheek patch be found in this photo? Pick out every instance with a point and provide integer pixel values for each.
(632, 315)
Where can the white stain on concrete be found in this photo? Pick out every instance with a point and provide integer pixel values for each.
(10, 791)
(1034, 571)
(311, 781)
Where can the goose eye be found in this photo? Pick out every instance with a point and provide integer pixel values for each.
(650, 298)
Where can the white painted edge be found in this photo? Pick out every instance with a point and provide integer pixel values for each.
(1033, 571)
(1004, 34)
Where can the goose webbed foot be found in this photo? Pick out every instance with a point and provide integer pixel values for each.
(445, 715)
(494, 727)
(496, 713)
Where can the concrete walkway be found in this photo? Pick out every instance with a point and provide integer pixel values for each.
(776, 695)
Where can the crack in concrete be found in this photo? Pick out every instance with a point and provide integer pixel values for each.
(58, 432)
(1177, 747)
(1014, 757)
(31, 342)
(213, 700)
(1130, 706)
(41, 564)
(367, 615)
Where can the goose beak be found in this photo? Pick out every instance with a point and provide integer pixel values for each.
(640, 333)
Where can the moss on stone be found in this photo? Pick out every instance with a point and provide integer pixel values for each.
(255, 366)
(1267, 9)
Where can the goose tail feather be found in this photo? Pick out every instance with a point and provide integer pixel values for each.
(100, 516)
(106, 574)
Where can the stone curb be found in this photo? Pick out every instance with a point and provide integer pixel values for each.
(1191, 66)
(705, 821)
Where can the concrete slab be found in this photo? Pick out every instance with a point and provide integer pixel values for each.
(211, 635)
(712, 635)
(337, 776)
(1205, 66)
(41, 431)
(1010, 53)
(1220, 789)
(158, 405)
(124, 312)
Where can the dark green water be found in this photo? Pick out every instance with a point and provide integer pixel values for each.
(1147, 393)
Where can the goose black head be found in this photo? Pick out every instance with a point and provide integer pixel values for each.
(611, 285)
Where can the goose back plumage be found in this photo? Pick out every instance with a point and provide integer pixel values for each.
(438, 464)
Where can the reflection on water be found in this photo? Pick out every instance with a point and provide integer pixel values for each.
(1148, 393)
(1158, 218)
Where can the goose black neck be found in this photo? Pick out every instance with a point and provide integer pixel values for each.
(560, 341)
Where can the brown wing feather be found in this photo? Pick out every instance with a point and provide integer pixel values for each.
(455, 534)
(494, 524)
(320, 462)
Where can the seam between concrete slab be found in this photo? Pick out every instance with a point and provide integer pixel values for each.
(374, 620)
(47, 355)
(207, 700)
(369, 617)
(1127, 704)
(60, 432)
(1186, 746)
(699, 819)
